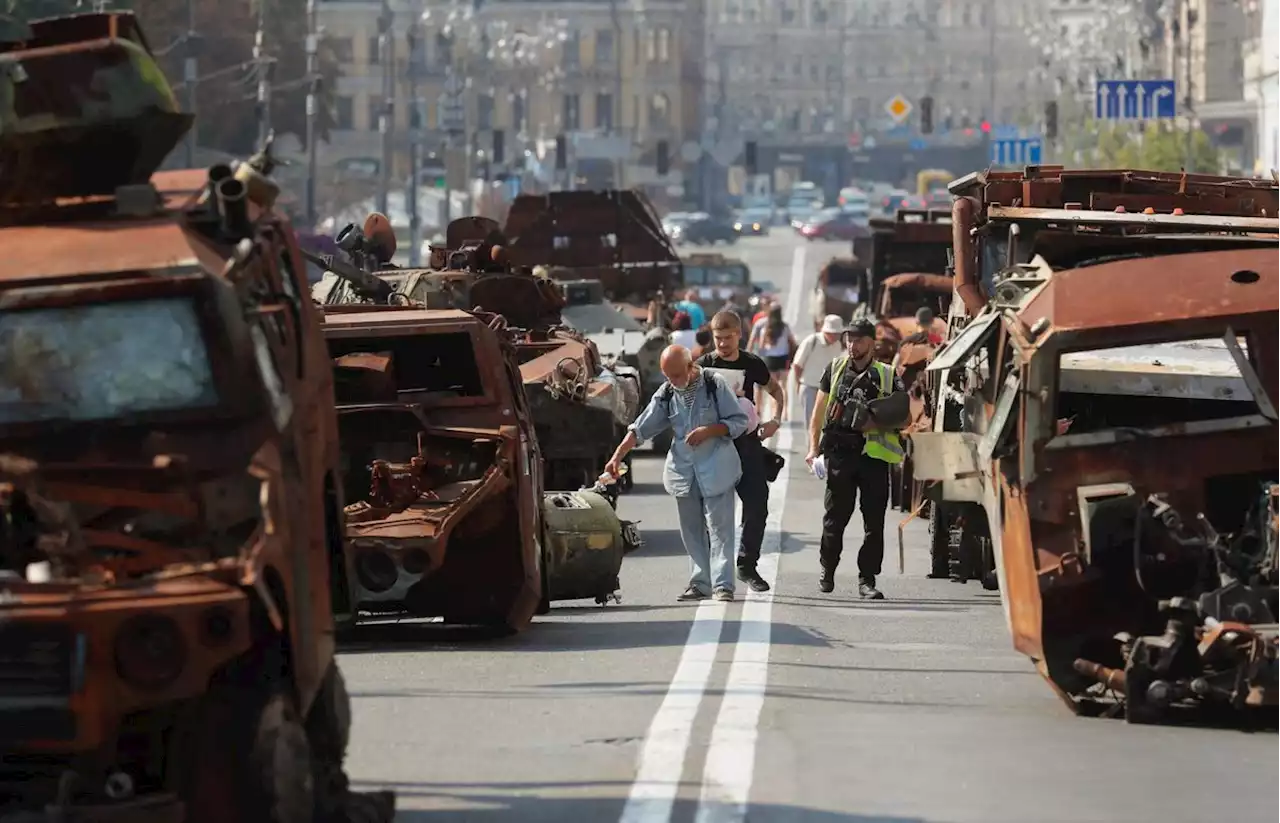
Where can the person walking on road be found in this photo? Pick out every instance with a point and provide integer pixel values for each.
(702, 465)
(774, 342)
(753, 488)
(812, 358)
(859, 407)
(690, 306)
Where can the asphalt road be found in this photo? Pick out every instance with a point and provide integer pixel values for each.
(793, 706)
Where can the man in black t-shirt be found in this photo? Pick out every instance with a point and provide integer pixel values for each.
(753, 488)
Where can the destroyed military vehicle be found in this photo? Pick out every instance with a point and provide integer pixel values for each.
(581, 406)
(170, 548)
(721, 283)
(1106, 427)
(613, 236)
(441, 462)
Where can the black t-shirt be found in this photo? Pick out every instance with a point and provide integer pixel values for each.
(757, 373)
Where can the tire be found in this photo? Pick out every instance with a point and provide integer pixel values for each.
(939, 542)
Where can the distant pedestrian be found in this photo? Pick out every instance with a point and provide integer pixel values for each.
(752, 375)
(702, 342)
(690, 306)
(775, 343)
(812, 358)
(682, 333)
(702, 465)
(860, 406)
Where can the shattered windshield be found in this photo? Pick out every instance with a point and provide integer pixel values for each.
(103, 362)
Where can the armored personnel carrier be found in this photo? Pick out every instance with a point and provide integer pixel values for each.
(171, 552)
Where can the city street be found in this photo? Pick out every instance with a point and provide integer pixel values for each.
(788, 706)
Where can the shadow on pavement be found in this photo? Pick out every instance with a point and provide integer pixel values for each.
(491, 803)
(552, 636)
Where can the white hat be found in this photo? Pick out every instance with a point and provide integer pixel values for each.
(832, 324)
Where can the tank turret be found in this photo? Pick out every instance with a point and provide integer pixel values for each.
(84, 109)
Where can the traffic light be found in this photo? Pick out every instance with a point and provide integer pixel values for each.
(498, 146)
(986, 127)
(749, 159)
(663, 161)
(926, 115)
(561, 154)
(1051, 120)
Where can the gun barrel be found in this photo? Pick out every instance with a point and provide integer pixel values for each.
(367, 284)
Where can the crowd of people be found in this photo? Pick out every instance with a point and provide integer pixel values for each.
(725, 397)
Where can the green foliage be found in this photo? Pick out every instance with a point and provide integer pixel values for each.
(1156, 146)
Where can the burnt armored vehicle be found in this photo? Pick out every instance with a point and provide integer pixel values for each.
(1106, 426)
(171, 551)
(580, 404)
(441, 460)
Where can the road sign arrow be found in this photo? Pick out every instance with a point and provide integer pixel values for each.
(1141, 93)
(1156, 95)
(1122, 99)
(1103, 106)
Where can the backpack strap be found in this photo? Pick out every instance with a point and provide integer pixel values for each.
(668, 391)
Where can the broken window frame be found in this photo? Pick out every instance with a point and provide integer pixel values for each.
(1049, 361)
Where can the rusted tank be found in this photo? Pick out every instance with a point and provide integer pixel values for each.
(1106, 424)
(441, 459)
(580, 404)
(841, 288)
(171, 553)
(613, 236)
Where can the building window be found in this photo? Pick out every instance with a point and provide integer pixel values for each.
(484, 112)
(569, 120)
(659, 112)
(518, 113)
(664, 45)
(787, 12)
(416, 119)
(605, 54)
(604, 112)
(375, 111)
(341, 49)
(444, 50)
(571, 50)
(343, 111)
(820, 14)
(375, 50)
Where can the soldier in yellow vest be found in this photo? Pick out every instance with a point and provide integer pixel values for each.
(861, 404)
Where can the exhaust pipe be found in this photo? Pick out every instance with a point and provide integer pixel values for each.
(233, 208)
(967, 286)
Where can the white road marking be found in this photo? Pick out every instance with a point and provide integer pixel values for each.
(730, 765)
(667, 741)
(666, 744)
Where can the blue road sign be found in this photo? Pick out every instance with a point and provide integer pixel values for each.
(1005, 132)
(1135, 99)
(1024, 151)
(918, 144)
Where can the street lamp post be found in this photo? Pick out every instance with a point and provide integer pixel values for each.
(414, 37)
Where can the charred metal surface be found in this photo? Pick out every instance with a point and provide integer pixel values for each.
(168, 461)
(613, 235)
(581, 401)
(1111, 405)
(442, 460)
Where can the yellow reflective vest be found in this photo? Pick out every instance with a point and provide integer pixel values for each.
(882, 444)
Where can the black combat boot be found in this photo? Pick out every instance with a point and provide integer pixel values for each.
(867, 589)
(827, 582)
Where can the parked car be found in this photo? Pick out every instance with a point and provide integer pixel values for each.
(754, 221)
(835, 225)
(705, 230)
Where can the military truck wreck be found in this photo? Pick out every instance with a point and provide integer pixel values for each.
(170, 548)
(441, 458)
(581, 404)
(1106, 425)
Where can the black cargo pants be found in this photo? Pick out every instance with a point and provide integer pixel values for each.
(753, 491)
(850, 476)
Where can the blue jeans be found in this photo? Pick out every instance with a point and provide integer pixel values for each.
(706, 527)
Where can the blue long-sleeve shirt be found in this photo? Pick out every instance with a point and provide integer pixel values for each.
(713, 467)
(697, 317)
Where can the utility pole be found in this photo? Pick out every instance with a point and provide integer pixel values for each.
(414, 36)
(615, 116)
(992, 25)
(266, 68)
(386, 56)
(1188, 21)
(190, 74)
(313, 105)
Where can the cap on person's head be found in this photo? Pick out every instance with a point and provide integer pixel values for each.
(924, 315)
(861, 328)
(832, 324)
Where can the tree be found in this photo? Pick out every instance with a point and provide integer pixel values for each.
(226, 90)
(1153, 147)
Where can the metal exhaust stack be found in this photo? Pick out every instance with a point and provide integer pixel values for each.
(233, 206)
